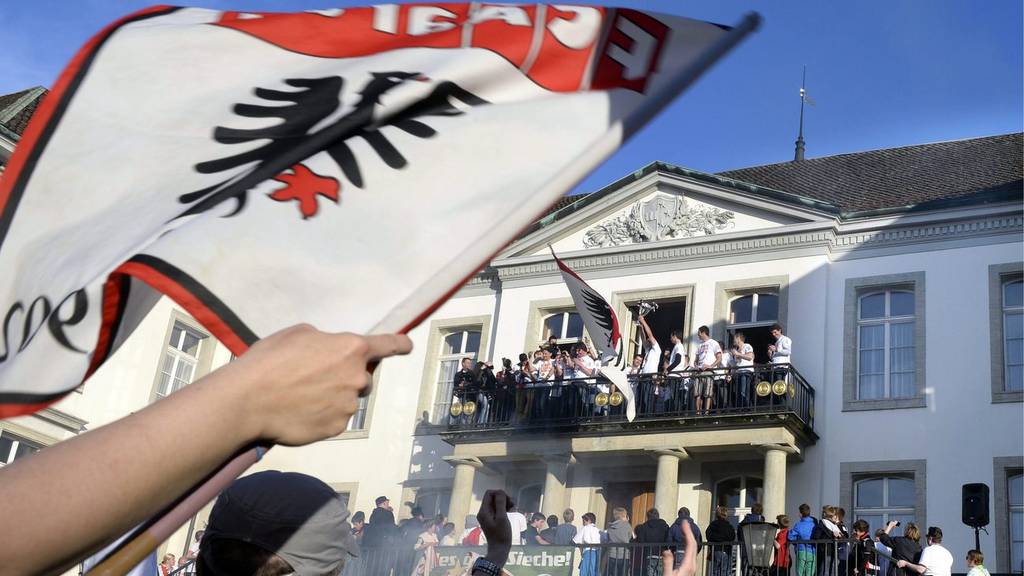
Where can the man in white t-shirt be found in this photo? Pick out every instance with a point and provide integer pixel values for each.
(709, 357)
(517, 521)
(781, 353)
(650, 391)
(678, 362)
(586, 366)
(935, 559)
(743, 358)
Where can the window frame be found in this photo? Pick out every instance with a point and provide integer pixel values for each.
(855, 288)
(180, 356)
(563, 338)
(1009, 311)
(1003, 468)
(998, 276)
(887, 320)
(430, 372)
(916, 470)
(886, 509)
(755, 295)
(453, 357)
(204, 354)
(16, 441)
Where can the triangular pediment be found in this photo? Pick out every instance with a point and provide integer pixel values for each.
(658, 208)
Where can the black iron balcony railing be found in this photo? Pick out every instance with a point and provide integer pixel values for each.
(757, 390)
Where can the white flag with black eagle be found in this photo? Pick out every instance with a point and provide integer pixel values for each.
(602, 324)
(349, 168)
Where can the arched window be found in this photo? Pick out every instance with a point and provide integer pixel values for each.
(1013, 335)
(882, 499)
(1015, 501)
(565, 326)
(458, 344)
(885, 345)
(754, 309)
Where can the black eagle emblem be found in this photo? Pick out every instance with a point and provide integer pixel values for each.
(287, 143)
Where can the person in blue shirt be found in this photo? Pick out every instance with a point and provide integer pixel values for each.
(804, 552)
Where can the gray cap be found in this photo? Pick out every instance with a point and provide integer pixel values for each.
(293, 515)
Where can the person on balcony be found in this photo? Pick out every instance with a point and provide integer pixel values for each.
(532, 534)
(586, 366)
(463, 385)
(679, 362)
(743, 378)
(650, 391)
(780, 353)
(676, 535)
(524, 388)
(709, 357)
(550, 534)
(487, 383)
(566, 531)
(504, 392)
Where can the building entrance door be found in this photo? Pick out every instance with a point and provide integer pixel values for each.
(636, 497)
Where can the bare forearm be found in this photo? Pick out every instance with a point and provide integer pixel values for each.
(58, 505)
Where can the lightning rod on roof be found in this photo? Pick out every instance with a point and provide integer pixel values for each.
(804, 98)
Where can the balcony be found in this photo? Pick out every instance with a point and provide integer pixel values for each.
(766, 395)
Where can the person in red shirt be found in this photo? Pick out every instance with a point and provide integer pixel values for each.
(780, 565)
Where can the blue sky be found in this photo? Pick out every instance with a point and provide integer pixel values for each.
(883, 74)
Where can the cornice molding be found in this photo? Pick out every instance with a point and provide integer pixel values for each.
(823, 238)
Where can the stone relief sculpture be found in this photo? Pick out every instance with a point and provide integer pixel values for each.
(660, 218)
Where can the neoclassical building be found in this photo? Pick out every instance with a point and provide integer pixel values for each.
(897, 273)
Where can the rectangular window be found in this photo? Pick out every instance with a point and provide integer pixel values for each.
(178, 366)
(1015, 514)
(345, 498)
(457, 344)
(884, 347)
(13, 447)
(1013, 334)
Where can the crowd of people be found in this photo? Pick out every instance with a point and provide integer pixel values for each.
(558, 381)
(810, 546)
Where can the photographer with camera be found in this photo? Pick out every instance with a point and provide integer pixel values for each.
(906, 547)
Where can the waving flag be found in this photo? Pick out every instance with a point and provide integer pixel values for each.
(603, 326)
(346, 167)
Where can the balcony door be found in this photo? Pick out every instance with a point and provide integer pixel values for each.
(670, 316)
(738, 494)
(636, 497)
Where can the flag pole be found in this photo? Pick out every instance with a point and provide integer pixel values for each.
(147, 537)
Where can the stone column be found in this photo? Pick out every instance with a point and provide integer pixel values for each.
(462, 489)
(555, 477)
(774, 482)
(666, 484)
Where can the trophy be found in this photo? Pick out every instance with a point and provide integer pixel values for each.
(645, 308)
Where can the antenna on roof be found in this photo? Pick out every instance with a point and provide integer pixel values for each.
(803, 98)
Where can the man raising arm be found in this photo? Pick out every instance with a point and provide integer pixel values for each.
(294, 387)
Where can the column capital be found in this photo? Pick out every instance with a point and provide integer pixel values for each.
(679, 453)
(472, 461)
(769, 447)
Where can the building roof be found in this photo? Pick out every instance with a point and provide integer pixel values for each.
(17, 108)
(919, 177)
(904, 177)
